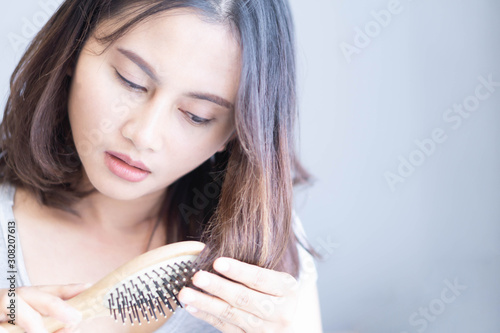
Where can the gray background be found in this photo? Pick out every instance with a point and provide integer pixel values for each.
(391, 255)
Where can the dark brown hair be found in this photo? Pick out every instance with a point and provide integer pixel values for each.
(239, 202)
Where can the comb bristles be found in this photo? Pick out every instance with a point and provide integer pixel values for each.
(146, 291)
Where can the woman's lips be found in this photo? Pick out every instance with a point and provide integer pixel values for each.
(125, 170)
(129, 161)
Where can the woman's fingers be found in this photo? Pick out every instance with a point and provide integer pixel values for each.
(49, 304)
(217, 312)
(237, 295)
(68, 330)
(253, 298)
(34, 302)
(263, 280)
(27, 318)
(66, 291)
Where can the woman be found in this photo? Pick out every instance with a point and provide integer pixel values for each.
(134, 124)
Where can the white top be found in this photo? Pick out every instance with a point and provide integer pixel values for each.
(181, 321)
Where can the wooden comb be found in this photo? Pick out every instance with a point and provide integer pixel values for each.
(138, 291)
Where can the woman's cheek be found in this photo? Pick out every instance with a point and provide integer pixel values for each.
(188, 152)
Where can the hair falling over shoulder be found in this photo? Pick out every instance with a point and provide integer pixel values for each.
(238, 203)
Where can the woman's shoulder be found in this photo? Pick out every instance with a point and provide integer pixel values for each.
(6, 202)
(7, 191)
(308, 269)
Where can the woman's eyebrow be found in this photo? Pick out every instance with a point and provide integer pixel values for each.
(135, 58)
(211, 98)
(148, 69)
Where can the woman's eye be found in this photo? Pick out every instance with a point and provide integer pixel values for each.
(197, 120)
(128, 84)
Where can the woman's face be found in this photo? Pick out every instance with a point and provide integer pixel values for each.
(162, 95)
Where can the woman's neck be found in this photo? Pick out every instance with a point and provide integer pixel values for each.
(117, 215)
(100, 211)
(118, 224)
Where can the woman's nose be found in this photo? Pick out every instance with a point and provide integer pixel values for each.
(145, 126)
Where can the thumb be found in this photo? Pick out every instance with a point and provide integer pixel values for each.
(74, 289)
(65, 291)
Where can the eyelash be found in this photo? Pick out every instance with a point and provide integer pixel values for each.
(200, 122)
(129, 85)
(195, 120)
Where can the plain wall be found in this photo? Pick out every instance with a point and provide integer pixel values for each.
(419, 253)
(392, 252)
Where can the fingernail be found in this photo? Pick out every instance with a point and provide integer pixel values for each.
(191, 309)
(221, 265)
(187, 296)
(201, 280)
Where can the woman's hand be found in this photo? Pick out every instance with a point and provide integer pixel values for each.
(260, 300)
(33, 302)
